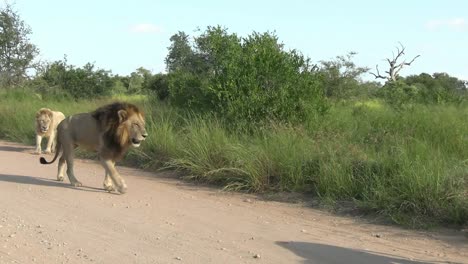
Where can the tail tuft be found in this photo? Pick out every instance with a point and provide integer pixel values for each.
(43, 160)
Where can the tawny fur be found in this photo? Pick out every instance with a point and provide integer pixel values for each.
(49, 119)
(109, 130)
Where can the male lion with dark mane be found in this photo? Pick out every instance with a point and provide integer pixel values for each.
(46, 126)
(110, 130)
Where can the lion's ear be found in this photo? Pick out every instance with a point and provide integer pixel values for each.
(50, 114)
(122, 115)
(38, 114)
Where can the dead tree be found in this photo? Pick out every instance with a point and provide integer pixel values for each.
(395, 67)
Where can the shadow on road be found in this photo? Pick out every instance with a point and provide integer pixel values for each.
(28, 180)
(16, 148)
(314, 253)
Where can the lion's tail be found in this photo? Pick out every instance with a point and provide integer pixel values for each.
(58, 147)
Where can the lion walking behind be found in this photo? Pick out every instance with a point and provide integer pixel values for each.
(46, 126)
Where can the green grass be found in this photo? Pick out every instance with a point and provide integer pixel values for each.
(410, 165)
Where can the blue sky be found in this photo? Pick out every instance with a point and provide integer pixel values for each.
(123, 35)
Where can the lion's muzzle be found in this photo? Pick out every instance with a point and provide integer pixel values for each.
(137, 141)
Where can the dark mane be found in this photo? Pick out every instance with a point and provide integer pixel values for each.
(116, 141)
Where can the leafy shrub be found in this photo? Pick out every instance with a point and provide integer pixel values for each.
(399, 93)
(85, 82)
(341, 78)
(424, 88)
(438, 88)
(250, 79)
(158, 83)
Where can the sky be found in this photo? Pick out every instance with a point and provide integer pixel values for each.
(123, 35)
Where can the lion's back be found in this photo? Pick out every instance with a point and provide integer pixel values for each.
(82, 129)
(58, 117)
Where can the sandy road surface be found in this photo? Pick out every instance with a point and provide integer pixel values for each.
(162, 220)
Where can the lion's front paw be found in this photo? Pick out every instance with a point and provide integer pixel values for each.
(47, 151)
(109, 188)
(122, 189)
(60, 178)
(76, 184)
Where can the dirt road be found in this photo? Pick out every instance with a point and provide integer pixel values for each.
(162, 220)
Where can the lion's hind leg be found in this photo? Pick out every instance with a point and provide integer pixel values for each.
(61, 169)
(53, 145)
(71, 175)
(68, 156)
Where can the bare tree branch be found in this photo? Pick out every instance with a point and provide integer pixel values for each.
(404, 63)
(394, 67)
(409, 63)
(400, 52)
(378, 76)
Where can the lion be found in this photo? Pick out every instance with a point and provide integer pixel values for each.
(46, 126)
(109, 130)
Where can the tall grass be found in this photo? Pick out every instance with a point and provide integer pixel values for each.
(408, 164)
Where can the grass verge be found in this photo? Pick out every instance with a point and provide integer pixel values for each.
(409, 165)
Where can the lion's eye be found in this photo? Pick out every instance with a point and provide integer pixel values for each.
(136, 125)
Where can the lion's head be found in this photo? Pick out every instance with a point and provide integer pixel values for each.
(132, 125)
(44, 119)
(122, 124)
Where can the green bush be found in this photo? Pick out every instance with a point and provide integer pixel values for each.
(438, 88)
(250, 79)
(341, 78)
(85, 82)
(423, 88)
(399, 93)
(158, 84)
